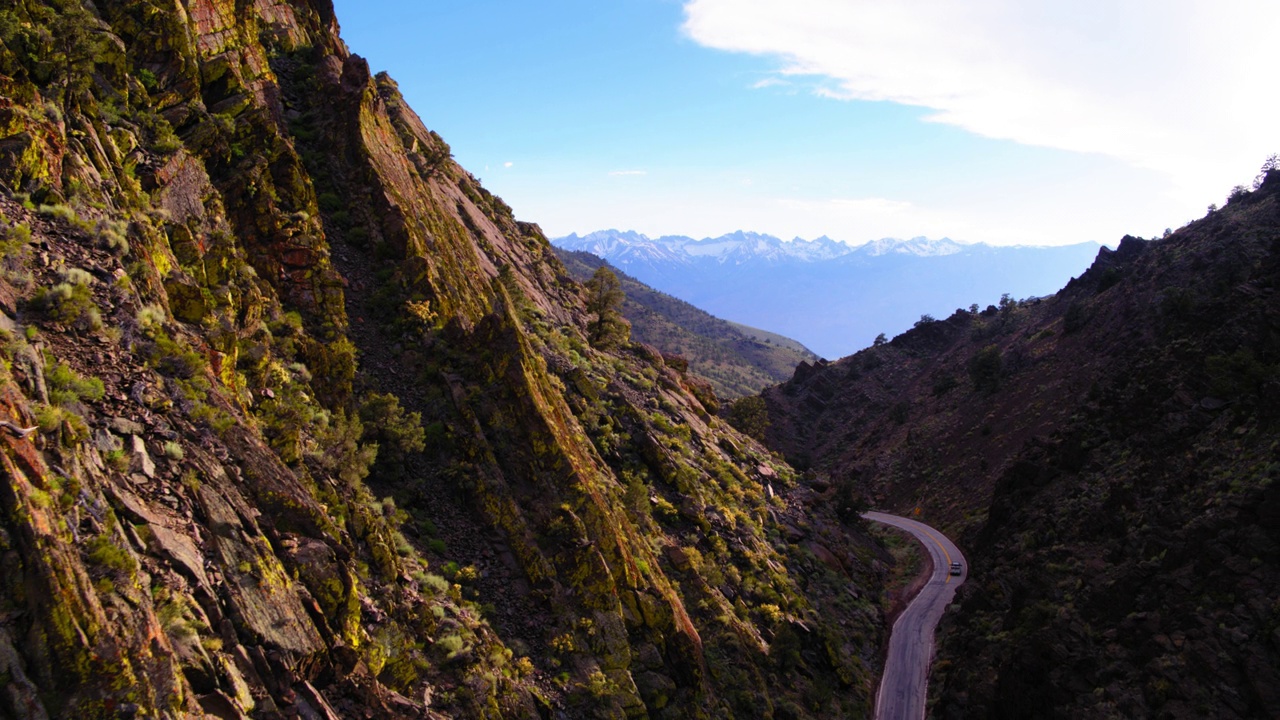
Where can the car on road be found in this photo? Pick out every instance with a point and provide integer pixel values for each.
(957, 568)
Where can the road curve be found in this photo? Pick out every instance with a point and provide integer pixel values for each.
(905, 683)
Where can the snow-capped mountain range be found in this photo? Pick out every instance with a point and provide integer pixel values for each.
(624, 247)
(829, 295)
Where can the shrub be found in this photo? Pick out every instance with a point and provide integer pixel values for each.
(111, 236)
(433, 584)
(14, 242)
(64, 302)
(598, 684)
(329, 202)
(604, 301)
(339, 451)
(148, 79)
(388, 424)
(173, 450)
(985, 368)
(117, 459)
(944, 383)
(849, 501)
(749, 416)
(1108, 278)
(173, 358)
(151, 318)
(900, 412)
(104, 553)
(67, 387)
(451, 644)
(1271, 164)
(1074, 319)
(1239, 375)
(59, 212)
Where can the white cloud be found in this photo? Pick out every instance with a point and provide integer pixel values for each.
(620, 173)
(1177, 86)
(871, 205)
(771, 81)
(507, 164)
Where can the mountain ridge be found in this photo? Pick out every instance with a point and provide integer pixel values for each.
(834, 298)
(746, 244)
(1106, 454)
(736, 360)
(300, 421)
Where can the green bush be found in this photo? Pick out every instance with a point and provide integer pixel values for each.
(111, 236)
(172, 357)
(64, 213)
(985, 368)
(1074, 319)
(391, 426)
(1239, 375)
(607, 327)
(749, 416)
(943, 383)
(340, 452)
(104, 553)
(14, 242)
(434, 584)
(151, 318)
(329, 202)
(148, 79)
(67, 387)
(64, 302)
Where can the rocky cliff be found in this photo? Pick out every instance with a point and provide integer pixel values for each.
(1107, 456)
(298, 421)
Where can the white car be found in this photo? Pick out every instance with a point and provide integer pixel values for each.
(957, 568)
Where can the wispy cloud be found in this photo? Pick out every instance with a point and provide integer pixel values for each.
(1177, 86)
(849, 206)
(771, 81)
(620, 173)
(872, 205)
(507, 164)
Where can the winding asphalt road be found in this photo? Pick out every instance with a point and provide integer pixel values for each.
(905, 683)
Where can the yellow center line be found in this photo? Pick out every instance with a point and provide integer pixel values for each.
(943, 548)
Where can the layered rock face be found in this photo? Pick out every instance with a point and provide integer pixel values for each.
(298, 421)
(1107, 455)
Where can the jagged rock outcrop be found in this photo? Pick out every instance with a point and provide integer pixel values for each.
(318, 429)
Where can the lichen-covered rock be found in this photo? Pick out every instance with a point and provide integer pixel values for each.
(223, 513)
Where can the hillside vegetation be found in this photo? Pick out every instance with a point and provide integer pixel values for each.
(736, 359)
(298, 421)
(1108, 456)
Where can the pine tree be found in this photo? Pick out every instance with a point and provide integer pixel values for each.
(607, 328)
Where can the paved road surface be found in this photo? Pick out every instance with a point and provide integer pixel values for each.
(906, 670)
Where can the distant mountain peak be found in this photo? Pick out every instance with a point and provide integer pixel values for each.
(829, 295)
(623, 246)
(919, 246)
(738, 247)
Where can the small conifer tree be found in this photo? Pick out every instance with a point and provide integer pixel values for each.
(607, 328)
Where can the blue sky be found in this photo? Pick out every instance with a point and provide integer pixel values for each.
(857, 119)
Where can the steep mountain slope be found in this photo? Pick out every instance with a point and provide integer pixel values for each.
(246, 293)
(736, 360)
(1109, 456)
(832, 297)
